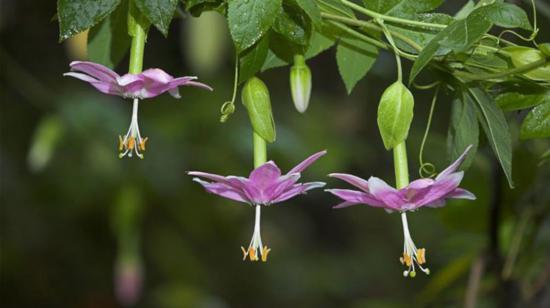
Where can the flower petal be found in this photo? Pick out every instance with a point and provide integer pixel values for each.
(101, 86)
(222, 190)
(345, 204)
(454, 165)
(296, 190)
(461, 193)
(356, 196)
(307, 162)
(439, 190)
(390, 196)
(95, 70)
(352, 179)
(265, 175)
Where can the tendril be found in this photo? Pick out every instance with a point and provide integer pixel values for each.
(394, 46)
(229, 107)
(427, 170)
(426, 86)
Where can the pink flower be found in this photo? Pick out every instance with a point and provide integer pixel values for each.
(147, 84)
(264, 186)
(420, 193)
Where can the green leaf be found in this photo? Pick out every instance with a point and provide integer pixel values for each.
(458, 36)
(421, 36)
(249, 20)
(312, 10)
(293, 26)
(196, 7)
(496, 129)
(465, 10)
(537, 122)
(335, 7)
(109, 41)
(402, 7)
(521, 56)
(76, 16)
(463, 129)
(158, 12)
(507, 15)
(395, 114)
(354, 58)
(252, 59)
(511, 101)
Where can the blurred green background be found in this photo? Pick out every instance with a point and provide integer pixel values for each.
(73, 214)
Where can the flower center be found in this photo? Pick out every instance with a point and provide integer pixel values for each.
(411, 255)
(132, 142)
(256, 247)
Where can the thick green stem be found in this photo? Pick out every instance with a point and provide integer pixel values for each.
(137, 49)
(260, 150)
(401, 166)
(517, 70)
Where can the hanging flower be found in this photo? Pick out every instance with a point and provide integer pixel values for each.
(419, 193)
(147, 84)
(264, 186)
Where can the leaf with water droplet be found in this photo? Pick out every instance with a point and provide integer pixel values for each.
(76, 16)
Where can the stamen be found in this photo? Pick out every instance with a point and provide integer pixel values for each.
(265, 252)
(245, 253)
(132, 142)
(411, 255)
(256, 249)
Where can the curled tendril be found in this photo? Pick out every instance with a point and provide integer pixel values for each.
(226, 110)
(426, 86)
(228, 107)
(427, 170)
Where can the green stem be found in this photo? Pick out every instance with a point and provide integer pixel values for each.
(514, 71)
(260, 150)
(137, 49)
(401, 166)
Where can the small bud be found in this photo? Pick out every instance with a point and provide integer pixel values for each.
(545, 48)
(395, 114)
(255, 98)
(300, 83)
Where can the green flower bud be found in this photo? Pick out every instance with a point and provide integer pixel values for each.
(255, 98)
(395, 114)
(521, 56)
(300, 83)
(545, 48)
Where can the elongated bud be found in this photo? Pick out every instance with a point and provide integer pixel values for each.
(545, 48)
(255, 98)
(395, 114)
(300, 83)
(521, 56)
(128, 280)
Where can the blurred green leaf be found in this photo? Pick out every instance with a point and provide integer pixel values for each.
(537, 122)
(507, 15)
(78, 15)
(355, 58)
(46, 137)
(463, 129)
(250, 20)
(496, 129)
(109, 41)
(159, 12)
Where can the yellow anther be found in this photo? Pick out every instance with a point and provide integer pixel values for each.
(252, 254)
(120, 143)
(421, 256)
(142, 143)
(131, 143)
(407, 259)
(265, 252)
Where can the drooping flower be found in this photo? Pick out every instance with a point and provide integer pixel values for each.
(264, 186)
(419, 193)
(147, 84)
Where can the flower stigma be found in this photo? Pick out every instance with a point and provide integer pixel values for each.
(256, 247)
(411, 254)
(132, 142)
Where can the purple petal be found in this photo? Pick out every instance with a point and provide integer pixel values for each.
(390, 196)
(307, 162)
(156, 76)
(344, 205)
(356, 196)
(95, 70)
(101, 86)
(265, 175)
(454, 165)
(199, 85)
(461, 193)
(282, 184)
(439, 190)
(296, 190)
(223, 190)
(352, 179)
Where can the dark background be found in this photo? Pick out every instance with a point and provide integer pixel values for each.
(70, 207)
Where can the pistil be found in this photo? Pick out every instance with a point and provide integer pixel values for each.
(411, 254)
(256, 247)
(132, 142)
